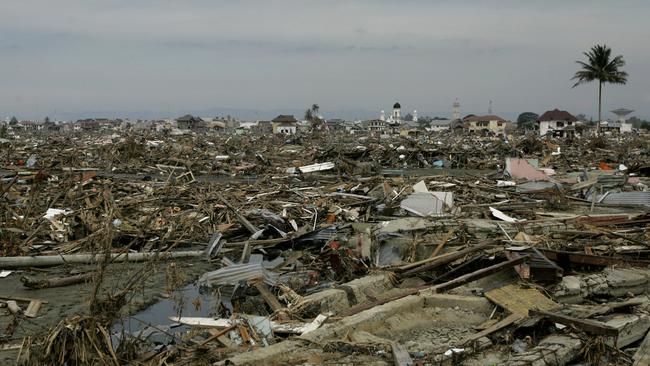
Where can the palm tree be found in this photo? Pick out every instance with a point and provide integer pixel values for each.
(600, 66)
(311, 115)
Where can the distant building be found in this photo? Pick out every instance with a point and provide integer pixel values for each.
(485, 124)
(458, 126)
(262, 128)
(189, 122)
(285, 124)
(335, 125)
(557, 123)
(410, 129)
(455, 114)
(439, 125)
(377, 126)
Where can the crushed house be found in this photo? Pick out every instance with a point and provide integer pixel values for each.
(189, 122)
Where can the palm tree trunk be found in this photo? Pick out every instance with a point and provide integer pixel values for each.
(600, 98)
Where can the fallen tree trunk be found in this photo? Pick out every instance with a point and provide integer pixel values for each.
(55, 281)
(55, 260)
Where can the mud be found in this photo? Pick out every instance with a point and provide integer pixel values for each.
(67, 301)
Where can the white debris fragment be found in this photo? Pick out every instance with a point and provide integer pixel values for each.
(451, 351)
(54, 212)
(501, 216)
(505, 183)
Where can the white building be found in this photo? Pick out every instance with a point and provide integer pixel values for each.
(558, 123)
(439, 125)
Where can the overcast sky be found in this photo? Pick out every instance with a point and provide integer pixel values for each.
(124, 56)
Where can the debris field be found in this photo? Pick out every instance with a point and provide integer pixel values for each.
(324, 250)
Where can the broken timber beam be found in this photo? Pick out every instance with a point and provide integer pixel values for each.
(507, 321)
(561, 257)
(268, 296)
(587, 325)
(441, 260)
(459, 281)
(243, 220)
(642, 355)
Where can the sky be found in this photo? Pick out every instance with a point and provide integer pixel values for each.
(160, 58)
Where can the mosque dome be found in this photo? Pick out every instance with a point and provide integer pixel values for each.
(397, 105)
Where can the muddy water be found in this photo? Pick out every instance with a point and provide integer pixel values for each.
(64, 302)
(187, 301)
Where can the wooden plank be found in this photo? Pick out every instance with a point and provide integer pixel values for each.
(443, 241)
(642, 355)
(432, 263)
(518, 300)
(277, 327)
(561, 257)
(401, 356)
(217, 335)
(459, 281)
(587, 325)
(509, 320)
(268, 297)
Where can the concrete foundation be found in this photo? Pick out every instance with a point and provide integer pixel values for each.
(612, 282)
(554, 350)
(346, 295)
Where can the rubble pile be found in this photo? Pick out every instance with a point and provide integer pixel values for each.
(444, 249)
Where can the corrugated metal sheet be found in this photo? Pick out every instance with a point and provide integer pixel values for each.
(626, 198)
(311, 168)
(322, 235)
(235, 273)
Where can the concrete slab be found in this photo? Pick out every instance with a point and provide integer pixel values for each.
(555, 350)
(632, 327)
(472, 303)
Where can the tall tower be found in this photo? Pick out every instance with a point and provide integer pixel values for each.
(397, 112)
(382, 116)
(456, 111)
(490, 108)
(621, 113)
(415, 115)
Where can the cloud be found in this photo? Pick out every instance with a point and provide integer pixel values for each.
(362, 55)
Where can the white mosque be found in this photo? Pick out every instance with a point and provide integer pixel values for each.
(396, 117)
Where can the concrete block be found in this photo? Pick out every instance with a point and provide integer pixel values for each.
(632, 327)
(373, 285)
(368, 320)
(334, 300)
(571, 284)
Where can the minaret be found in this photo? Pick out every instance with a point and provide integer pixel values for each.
(397, 109)
(415, 115)
(382, 116)
(456, 112)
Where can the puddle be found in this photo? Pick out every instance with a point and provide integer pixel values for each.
(153, 323)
